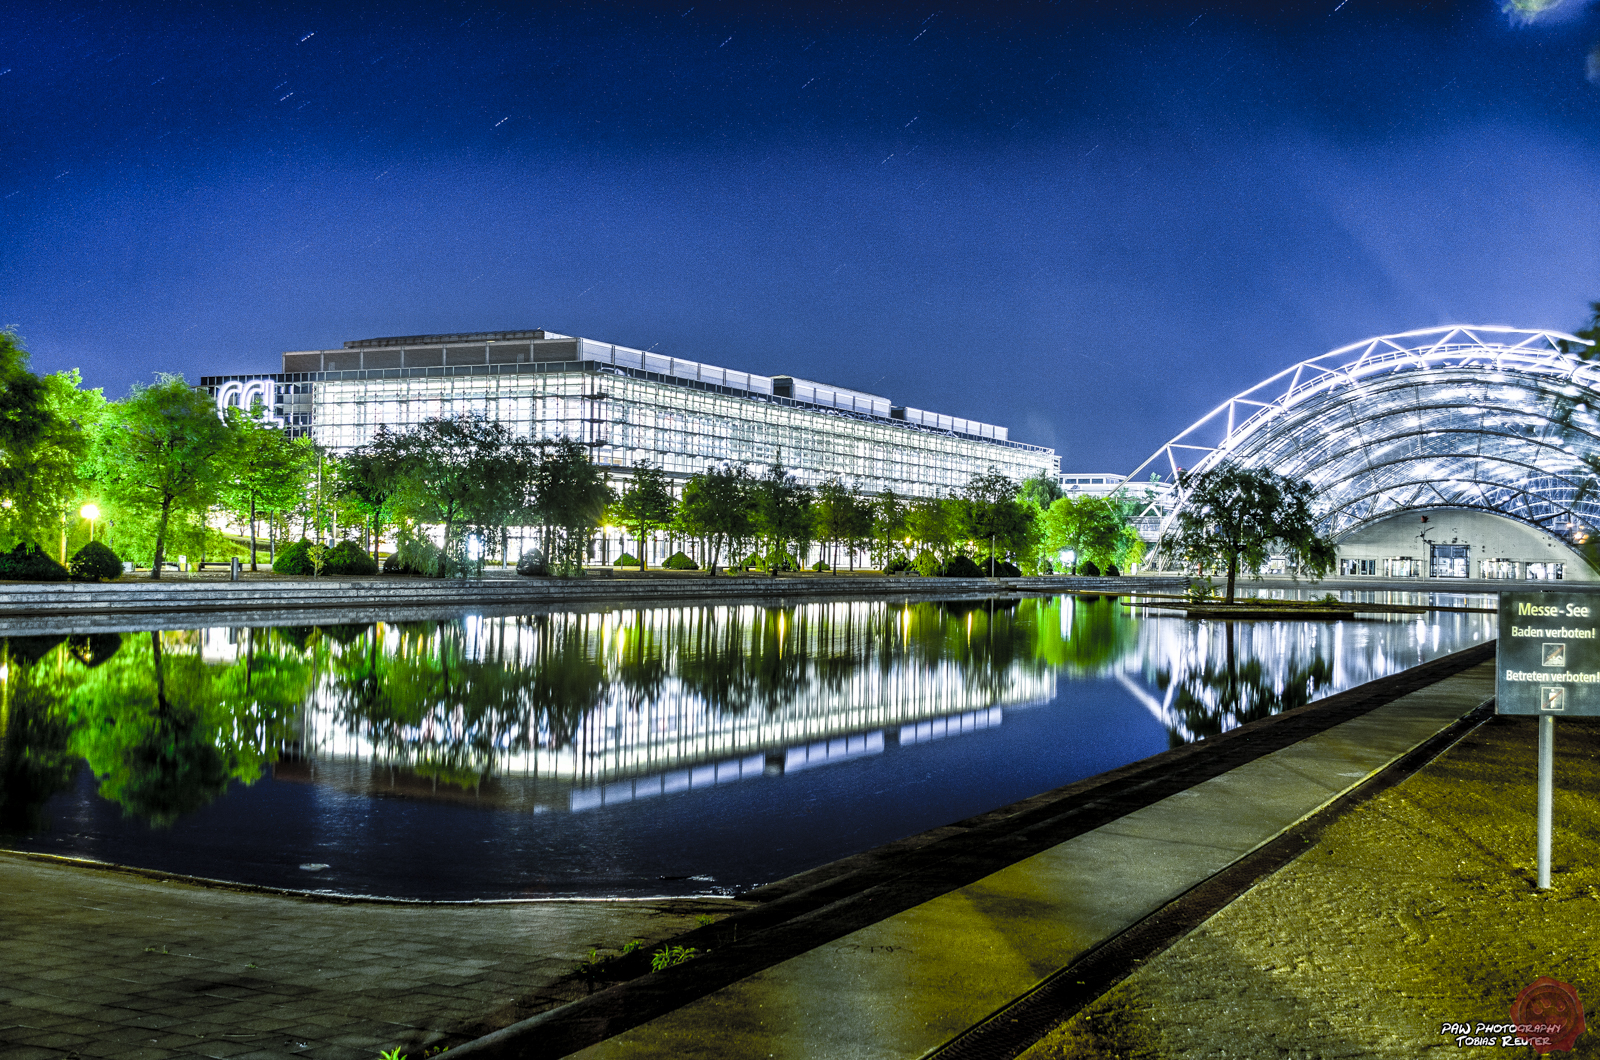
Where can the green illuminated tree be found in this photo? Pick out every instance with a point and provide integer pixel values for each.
(161, 453)
(988, 513)
(267, 473)
(782, 515)
(645, 505)
(1234, 518)
(572, 495)
(717, 506)
(888, 525)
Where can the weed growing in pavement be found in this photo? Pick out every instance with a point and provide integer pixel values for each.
(631, 945)
(705, 920)
(666, 958)
(392, 1054)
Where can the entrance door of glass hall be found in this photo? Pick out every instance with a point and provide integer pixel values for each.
(1449, 561)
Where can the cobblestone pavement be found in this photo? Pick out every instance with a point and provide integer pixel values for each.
(97, 963)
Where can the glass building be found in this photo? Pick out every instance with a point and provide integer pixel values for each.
(629, 406)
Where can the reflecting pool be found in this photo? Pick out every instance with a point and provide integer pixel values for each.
(622, 752)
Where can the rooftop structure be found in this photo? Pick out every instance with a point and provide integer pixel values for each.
(1487, 419)
(629, 406)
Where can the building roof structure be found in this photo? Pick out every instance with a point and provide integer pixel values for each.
(1490, 417)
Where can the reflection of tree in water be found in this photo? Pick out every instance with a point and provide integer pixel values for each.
(35, 761)
(1215, 694)
(711, 661)
(1086, 635)
(164, 731)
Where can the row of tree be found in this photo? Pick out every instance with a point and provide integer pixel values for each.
(991, 523)
(165, 473)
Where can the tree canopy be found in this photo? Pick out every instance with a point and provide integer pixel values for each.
(1233, 518)
(645, 505)
(162, 452)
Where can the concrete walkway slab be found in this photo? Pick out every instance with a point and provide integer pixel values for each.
(101, 963)
(904, 986)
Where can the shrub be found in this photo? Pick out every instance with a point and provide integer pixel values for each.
(421, 557)
(1112, 571)
(753, 562)
(347, 557)
(820, 566)
(95, 562)
(294, 559)
(25, 563)
(1001, 568)
(625, 560)
(961, 566)
(926, 564)
(532, 563)
(898, 565)
(1088, 569)
(679, 561)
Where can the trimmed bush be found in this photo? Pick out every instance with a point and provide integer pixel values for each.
(1112, 571)
(820, 566)
(25, 563)
(532, 564)
(961, 566)
(95, 562)
(627, 559)
(420, 557)
(679, 561)
(1088, 570)
(900, 564)
(753, 562)
(347, 557)
(293, 559)
(1001, 568)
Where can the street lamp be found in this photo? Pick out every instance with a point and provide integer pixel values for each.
(91, 512)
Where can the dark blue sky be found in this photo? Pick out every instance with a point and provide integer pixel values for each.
(1088, 224)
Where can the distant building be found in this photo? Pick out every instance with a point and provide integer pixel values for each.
(629, 406)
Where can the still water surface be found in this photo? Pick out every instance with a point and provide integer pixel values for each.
(674, 750)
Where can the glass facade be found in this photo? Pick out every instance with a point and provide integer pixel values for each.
(682, 420)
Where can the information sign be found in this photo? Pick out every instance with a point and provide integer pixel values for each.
(1547, 659)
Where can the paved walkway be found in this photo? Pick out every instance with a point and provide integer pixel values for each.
(910, 983)
(97, 963)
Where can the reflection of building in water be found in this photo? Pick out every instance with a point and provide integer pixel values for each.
(1203, 678)
(630, 704)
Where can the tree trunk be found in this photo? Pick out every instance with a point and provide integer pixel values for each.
(252, 534)
(1233, 574)
(161, 538)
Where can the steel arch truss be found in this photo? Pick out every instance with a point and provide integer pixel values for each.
(1492, 418)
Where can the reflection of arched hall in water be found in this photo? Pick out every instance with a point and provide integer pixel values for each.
(627, 747)
(1179, 671)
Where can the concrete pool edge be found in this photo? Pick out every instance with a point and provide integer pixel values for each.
(816, 908)
(211, 883)
(29, 608)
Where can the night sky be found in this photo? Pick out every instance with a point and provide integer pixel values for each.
(1090, 223)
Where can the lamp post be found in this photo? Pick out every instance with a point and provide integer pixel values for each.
(91, 512)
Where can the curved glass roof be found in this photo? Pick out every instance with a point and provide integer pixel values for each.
(1493, 418)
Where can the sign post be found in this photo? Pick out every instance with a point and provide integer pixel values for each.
(1547, 664)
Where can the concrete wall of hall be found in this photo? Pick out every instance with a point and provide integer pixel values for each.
(1487, 536)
